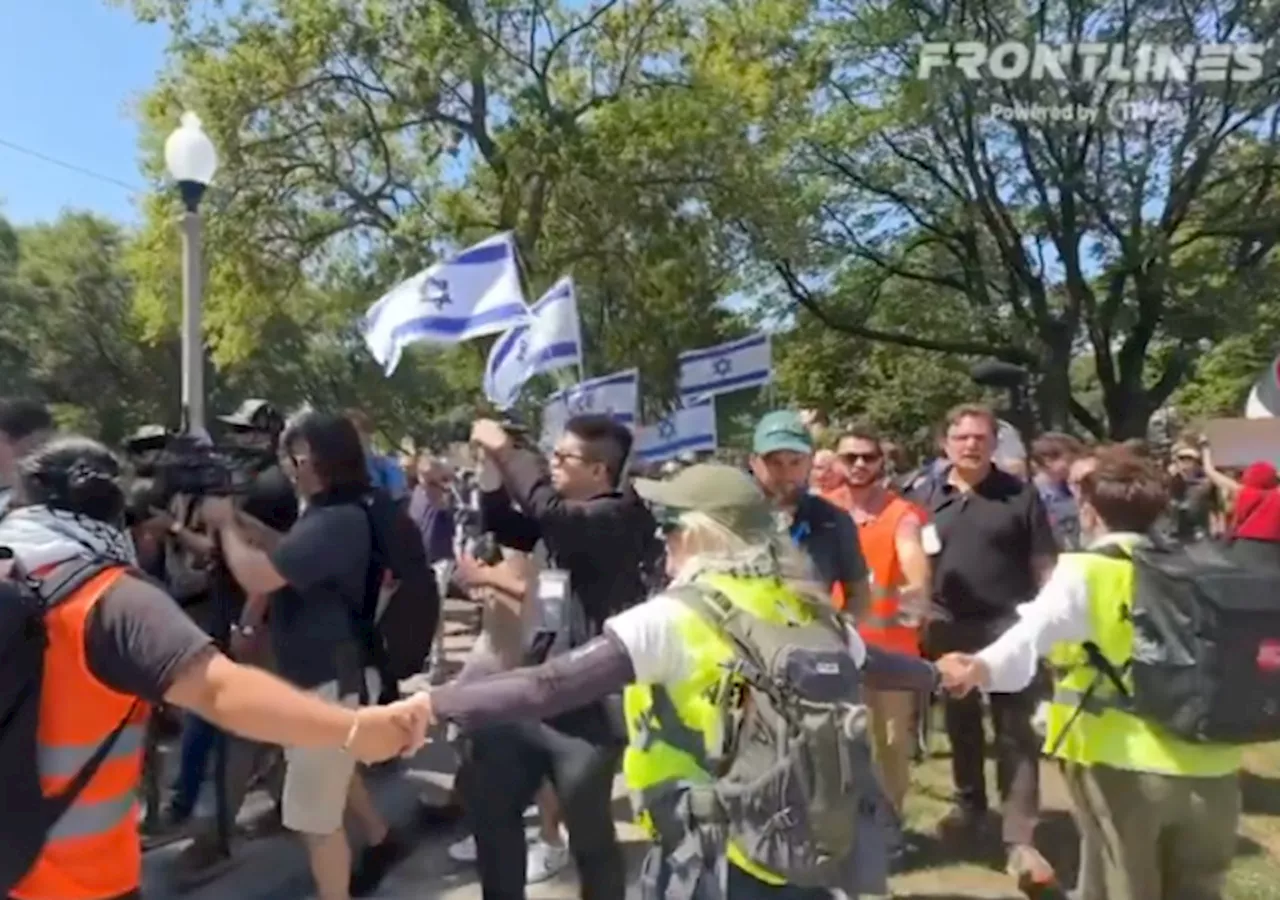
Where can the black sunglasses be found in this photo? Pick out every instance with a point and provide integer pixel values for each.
(852, 458)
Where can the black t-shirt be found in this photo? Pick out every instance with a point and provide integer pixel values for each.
(325, 558)
(827, 534)
(989, 537)
(138, 640)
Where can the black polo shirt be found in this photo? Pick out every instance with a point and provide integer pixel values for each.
(827, 534)
(989, 536)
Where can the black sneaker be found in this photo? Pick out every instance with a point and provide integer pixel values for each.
(375, 862)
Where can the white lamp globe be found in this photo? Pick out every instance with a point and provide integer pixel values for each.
(189, 154)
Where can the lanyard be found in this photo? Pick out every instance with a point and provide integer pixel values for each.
(800, 532)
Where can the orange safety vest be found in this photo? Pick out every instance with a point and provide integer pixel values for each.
(882, 626)
(93, 852)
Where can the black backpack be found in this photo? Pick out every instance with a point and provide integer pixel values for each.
(1206, 645)
(29, 815)
(399, 640)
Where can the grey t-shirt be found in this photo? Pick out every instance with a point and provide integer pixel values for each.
(138, 640)
(325, 558)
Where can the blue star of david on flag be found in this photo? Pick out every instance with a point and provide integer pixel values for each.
(436, 290)
(725, 368)
(522, 350)
(583, 402)
(667, 429)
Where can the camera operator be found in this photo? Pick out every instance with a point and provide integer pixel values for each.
(316, 578)
(267, 508)
(116, 643)
(593, 540)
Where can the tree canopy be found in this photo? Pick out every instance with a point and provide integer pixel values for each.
(700, 166)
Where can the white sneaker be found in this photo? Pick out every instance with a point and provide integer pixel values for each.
(464, 851)
(545, 861)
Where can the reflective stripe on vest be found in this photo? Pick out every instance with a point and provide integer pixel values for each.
(882, 597)
(1102, 731)
(65, 762)
(88, 819)
(93, 850)
(884, 623)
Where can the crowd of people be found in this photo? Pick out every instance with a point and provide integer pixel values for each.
(630, 623)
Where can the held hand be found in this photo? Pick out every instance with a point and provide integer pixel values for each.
(961, 673)
(420, 719)
(489, 435)
(383, 733)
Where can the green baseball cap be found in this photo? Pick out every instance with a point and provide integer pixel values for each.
(724, 493)
(782, 429)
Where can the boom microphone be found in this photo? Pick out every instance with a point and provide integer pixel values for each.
(998, 374)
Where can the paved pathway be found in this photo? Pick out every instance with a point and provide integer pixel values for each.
(275, 868)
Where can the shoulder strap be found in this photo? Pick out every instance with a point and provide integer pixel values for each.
(721, 612)
(62, 583)
(56, 807)
(64, 579)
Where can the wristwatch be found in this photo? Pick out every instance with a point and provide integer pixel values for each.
(243, 630)
(176, 529)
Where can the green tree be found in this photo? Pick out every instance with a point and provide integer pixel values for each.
(360, 141)
(69, 334)
(1126, 241)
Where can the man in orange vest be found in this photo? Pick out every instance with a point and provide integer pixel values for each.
(889, 530)
(115, 644)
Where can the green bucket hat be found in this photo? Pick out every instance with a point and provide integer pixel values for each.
(724, 493)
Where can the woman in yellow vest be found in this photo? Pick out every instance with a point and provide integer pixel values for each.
(671, 661)
(1157, 814)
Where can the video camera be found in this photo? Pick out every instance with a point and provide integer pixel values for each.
(188, 465)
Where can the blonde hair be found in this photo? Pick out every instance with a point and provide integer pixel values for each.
(706, 542)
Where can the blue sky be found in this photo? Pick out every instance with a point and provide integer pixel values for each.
(71, 71)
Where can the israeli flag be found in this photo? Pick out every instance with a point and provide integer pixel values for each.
(555, 413)
(744, 363)
(474, 293)
(690, 429)
(616, 395)
(551, 340)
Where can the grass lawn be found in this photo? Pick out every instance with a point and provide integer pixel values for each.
(941, 872)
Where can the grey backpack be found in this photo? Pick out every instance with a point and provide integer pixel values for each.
(796, 773)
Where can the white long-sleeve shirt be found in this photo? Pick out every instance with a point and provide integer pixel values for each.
(1060, 612)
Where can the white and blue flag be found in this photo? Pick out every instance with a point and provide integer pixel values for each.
(616, 396)
(690, 429)
(733, 366)
(550, 340)
(474, 293)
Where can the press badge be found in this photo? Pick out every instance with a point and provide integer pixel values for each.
(553, 600)
(930, 540)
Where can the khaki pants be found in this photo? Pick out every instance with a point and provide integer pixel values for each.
(1153, 837)
(892, 740)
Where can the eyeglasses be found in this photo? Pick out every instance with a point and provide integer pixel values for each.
(560, 456)
(854, 458)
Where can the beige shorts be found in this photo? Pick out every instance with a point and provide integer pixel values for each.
(317, 779)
